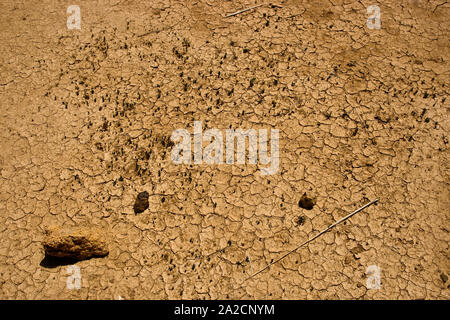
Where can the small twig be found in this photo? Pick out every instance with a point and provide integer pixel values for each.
(313, 238)
(243, 10)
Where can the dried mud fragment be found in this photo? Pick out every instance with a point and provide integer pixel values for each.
(300, 220)
(79, 242)
(141, 203)
(306, 203)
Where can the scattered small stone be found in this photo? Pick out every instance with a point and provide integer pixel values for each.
(141, 203)
(79, 242)
(306, 202)
(444, 278)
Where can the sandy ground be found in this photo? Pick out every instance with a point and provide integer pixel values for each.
(87, 117)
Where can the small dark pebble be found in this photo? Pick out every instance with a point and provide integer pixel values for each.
(306, 202)
(141, 203)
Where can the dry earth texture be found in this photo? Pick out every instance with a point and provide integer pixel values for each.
(87, 117)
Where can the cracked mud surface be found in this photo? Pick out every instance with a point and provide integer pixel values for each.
(87, 117)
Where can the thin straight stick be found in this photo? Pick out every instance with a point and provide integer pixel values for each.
(313, 238)
(241, 11)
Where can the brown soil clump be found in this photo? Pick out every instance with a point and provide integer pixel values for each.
(80, 242)
(306, 202)
(141, 203)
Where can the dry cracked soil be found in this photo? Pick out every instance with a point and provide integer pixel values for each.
(362, 113)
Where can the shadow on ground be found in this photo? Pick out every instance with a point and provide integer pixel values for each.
(53, 262)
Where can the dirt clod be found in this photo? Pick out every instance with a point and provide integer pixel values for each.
(80, 242)
(141, 203)
(306, 202)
